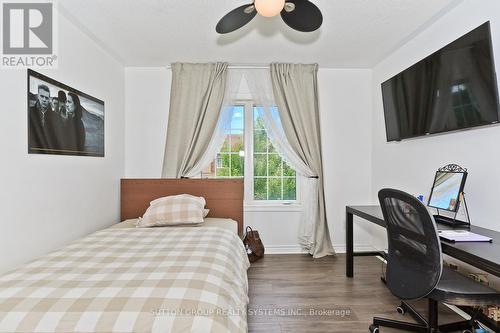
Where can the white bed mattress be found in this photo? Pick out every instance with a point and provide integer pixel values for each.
(227, 224)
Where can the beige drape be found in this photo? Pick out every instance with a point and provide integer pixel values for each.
(295, 88)
(195, 104)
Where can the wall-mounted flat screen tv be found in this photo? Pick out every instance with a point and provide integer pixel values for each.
(452, 89)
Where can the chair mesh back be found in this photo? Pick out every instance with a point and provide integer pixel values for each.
(414, 262)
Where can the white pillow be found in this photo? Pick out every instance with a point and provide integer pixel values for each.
(164, 199)
(173, 210)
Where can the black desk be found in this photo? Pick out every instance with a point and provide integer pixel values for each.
(485, 256)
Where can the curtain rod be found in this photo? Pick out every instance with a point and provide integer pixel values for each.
(242, 66)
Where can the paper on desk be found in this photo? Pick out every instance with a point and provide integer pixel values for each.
(462, 236)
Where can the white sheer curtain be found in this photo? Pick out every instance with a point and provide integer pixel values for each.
(261, 90)
(223, 124)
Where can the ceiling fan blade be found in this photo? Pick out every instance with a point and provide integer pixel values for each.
(306, 17)
(236, 18)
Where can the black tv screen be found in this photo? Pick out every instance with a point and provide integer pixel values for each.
(454, 88)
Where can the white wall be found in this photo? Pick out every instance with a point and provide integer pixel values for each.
(410, 165)
(345, 111)
(345, 104)
(48, 201)
(147, 92)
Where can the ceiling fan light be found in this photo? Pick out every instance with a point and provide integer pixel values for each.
(269, 8)
(249, 9)
(289, 7)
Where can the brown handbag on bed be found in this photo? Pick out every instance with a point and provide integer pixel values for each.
(253, 245)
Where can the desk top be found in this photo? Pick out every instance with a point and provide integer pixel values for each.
(483, 255)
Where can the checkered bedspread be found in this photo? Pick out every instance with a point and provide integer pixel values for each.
(132, 280)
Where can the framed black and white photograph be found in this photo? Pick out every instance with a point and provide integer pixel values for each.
(63, 120)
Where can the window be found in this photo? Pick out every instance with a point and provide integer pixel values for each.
(273, 179)
(248, 153)
(230, 161)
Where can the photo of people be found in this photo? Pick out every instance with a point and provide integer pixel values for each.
(63, 120)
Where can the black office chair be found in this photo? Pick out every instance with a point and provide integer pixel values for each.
(415, 268)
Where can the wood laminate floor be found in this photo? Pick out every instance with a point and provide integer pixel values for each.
(295, 293)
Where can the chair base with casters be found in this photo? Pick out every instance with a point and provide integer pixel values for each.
(423, 325)
(453, 288)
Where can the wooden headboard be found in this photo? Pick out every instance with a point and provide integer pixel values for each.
(224, 196)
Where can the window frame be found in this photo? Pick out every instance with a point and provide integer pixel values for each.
(234, 153)
(249, 166)
(250, 203)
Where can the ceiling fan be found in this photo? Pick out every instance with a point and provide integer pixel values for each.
(301, 15)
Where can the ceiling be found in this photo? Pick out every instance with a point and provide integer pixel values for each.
(147, 33)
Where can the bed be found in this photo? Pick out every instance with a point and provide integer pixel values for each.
(127, 279)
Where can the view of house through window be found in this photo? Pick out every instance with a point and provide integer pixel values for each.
(248, 148)
(230, 161)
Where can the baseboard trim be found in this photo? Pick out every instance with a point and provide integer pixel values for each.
(285, 249)
(357, 248)
(296, 249)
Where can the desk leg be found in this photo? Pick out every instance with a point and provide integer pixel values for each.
(349, 263)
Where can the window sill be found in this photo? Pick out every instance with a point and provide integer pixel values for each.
(272, 207)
